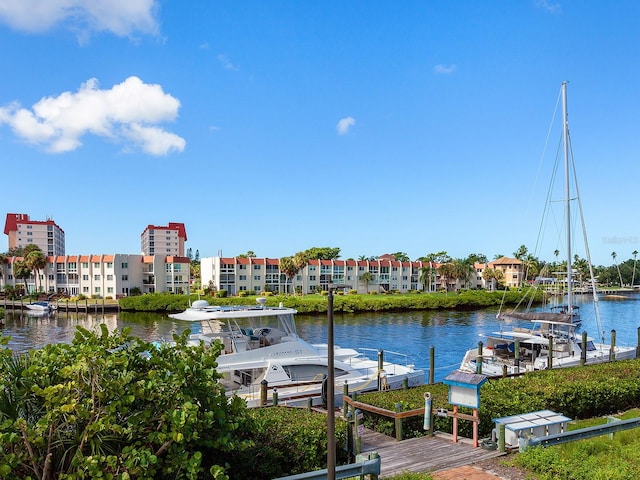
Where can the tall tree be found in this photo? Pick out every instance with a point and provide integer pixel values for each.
(635, 259)
(447, 272)
(288, 268)
(22, 271)
(426, 276)
(36, 261)
(521, 252)
(614, 255)
(323, 253)
(300, 260)
(366, 277)
(401, 257)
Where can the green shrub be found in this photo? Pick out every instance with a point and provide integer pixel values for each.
(221, 294)
(243, 293)
(353, 292)
(159, 412)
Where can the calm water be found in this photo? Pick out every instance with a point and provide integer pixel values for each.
(450, 332)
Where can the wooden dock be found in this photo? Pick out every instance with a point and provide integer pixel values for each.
(423, 454)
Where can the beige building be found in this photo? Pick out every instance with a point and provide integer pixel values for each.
(106, 275)
(236, 274)
(164, 240)
(23, 231)
(512, 271)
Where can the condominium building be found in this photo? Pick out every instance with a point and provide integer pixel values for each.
(100, 276)
(237, 274)
(23, 231)
(164, 240)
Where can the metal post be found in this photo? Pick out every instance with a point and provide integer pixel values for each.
(550, 363)
(345, 405)
(380, 368)
(583, 352)
(331, 426)
(479, 360)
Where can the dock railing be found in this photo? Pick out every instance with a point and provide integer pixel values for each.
(368, 466)
(579, 434)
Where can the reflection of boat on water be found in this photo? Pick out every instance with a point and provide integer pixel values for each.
(260, 344)
(552, 340)
(41, 307)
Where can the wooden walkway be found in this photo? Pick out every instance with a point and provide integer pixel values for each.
(424, 454)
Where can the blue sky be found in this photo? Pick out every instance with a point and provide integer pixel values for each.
(376, 127)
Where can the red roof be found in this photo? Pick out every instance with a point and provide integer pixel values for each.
(182, 231)
(13, 219)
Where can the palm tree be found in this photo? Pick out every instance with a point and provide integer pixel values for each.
(300, 260)
(36, 261)
(426, 275)
(614, 255)
(447, 271)
(22, 271)
(366, 277)
(635, 259)
(288, 268)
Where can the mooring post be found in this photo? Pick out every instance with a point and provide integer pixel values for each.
(612, 352)
(550, 364)
(516, 355)
(432, 362)
(479, 360)
(275, 396)
(380, 368)
(263, 393)
(345, 405)
(583, 352)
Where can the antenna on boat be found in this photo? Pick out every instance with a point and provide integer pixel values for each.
(262, 301)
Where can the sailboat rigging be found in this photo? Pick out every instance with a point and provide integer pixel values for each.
(553, 340)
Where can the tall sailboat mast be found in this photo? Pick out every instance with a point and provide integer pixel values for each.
(567, 188)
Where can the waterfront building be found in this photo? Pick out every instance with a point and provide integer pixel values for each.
(164, 240)
(23, 231)
(102, 276)
(255, 275)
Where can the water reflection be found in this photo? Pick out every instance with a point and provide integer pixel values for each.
(450, 332)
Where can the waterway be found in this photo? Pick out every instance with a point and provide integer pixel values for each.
(450, 332)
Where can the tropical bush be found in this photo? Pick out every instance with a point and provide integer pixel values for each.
(112, 406)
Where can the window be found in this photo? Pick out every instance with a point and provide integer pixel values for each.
(109, 264)
(97, 290)
(96, 265)
(85, 264)
(109, 289)
(242, 277)
(85, 289)
(256, 277)
(85, 277)
(257, 267)
(312, 278)
(109, 277)
(125, 278)
(124, 265)
(96, 277)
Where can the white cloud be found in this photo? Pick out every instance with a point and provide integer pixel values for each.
(345, 124)
(444, 69)
(548, 6)
(226, 63)
(127, 112)
(121, 17)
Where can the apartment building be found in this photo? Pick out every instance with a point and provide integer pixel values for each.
(101, 276)
(23, 231)
(164, 240)
(236, 274)
(512, 270)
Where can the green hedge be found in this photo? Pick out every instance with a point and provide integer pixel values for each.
(577, 392)
(317, 303)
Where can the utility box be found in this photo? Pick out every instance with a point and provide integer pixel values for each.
(464, 388)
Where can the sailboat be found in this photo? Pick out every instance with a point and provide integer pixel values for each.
(553, 340)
